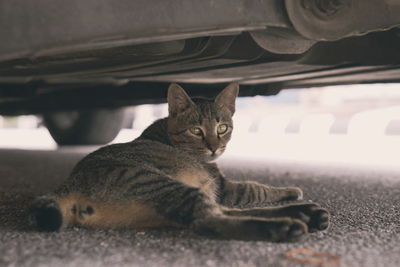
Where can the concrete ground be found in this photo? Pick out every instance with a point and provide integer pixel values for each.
(364, 203)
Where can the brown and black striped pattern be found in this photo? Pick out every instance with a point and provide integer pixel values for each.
(167, 177)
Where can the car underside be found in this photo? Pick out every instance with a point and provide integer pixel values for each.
(74, 55)
(60, 55)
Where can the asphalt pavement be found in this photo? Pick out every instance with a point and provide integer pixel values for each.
(364, 203)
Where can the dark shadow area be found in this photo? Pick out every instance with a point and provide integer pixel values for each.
(14, 210)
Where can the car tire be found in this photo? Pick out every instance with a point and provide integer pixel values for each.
(86, 127)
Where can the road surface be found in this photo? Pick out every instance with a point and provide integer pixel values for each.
(364, 203)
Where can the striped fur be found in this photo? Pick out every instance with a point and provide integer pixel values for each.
(166, 177)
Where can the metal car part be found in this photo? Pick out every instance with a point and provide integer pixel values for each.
(69, 55)
(325, 20)
(281, 40)
(49, 27)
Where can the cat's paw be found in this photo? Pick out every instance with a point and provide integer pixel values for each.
(293, 193)
(316, 218)
(287, 230)
(45, 214)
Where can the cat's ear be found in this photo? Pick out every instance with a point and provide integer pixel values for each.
(228, 96)
(178, 100)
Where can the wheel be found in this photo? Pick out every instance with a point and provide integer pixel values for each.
(86, 127)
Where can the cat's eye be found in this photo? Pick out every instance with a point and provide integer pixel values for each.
(222, 128)
(196, 131)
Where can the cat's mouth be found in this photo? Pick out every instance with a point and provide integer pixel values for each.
(213, 155)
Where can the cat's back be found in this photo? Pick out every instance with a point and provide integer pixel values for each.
(151, 146)
(142, 152)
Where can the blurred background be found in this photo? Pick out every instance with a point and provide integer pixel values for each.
(351, 124)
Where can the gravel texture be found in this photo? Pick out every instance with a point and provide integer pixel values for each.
(364, 231)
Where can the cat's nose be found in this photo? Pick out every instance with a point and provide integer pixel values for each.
(212, 146)
(213, 149)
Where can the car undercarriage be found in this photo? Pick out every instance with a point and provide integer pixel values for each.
(57, 55)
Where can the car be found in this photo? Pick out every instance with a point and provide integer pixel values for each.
(78, 63)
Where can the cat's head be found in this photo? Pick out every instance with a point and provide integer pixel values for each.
(201, 127)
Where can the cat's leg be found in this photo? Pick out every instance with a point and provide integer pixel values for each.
(55, 212)
(282, 229)
(189, 206)
(232, 193)
(312, 214)
(160, 201)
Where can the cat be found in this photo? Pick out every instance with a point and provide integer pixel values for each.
(168, 177)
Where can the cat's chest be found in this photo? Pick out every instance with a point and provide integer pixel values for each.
(197, 177)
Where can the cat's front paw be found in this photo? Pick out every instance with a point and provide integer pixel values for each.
(316, 218)
(288, 230)
(293, 193)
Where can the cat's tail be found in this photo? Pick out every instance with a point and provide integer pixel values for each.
(45, 214)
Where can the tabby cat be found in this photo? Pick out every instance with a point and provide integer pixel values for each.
(166, 177)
